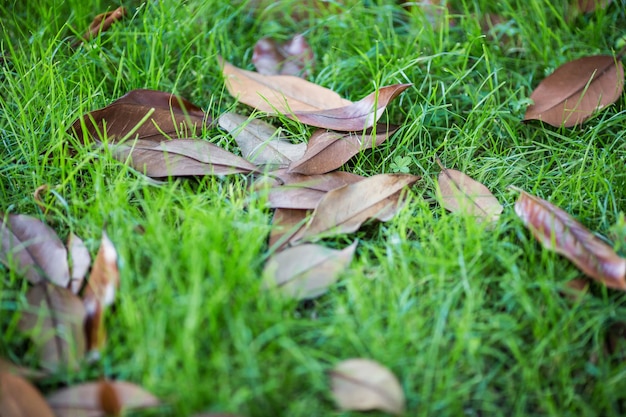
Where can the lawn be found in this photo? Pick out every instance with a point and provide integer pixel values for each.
(474, 319)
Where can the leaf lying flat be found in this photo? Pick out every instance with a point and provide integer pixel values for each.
(328, 150)
(363, 384)
(286, 223)
(558, 231)
(18, 398)
(172, 116)
(260, 142)
(306, 271)
(33, 249)
(573, 92)
(294, 57)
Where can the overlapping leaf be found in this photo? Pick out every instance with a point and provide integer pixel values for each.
(294, 57)
(18, 398)
(286, 223)
(558, 231)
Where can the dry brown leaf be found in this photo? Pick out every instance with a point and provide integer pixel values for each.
(558, 231)
(575, 90)
(260, 142)
(460, 193)
(29, 373)
(54, 321)
(344, 209)
(589, 6)
(294, 57)
(328, 150)
(285, 224)
(147, 114)
(18, 398)
(100, 399)
(362, 384)
(306, 271)
(282, 94)
(33, 249)
(101, 23)
(81, 261)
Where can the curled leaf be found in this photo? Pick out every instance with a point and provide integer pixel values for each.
(294, 57)
(558, 231)
(363, 384)
(18, 398)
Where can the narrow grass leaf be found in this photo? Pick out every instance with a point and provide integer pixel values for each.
(19, 398)
(33, 249)
(80, 262)
(575, 90)
(363, 384)
(101, 23)
(328, 150)
(294, 57)
(306, 271)
(558, 231)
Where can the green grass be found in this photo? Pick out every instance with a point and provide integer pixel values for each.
(472, 320)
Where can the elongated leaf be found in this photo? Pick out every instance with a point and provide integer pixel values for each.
(33, 249)
(328, 150)
(573, 92)
(558, 231)
(363, 384)
(151, 115)
(260, 142)
(181, 157)
(344, 209)
(101, 23)
(81, 260)
(54, 320)
(306, 271)
(294, 57)
(357, 116)
(285, 224)
(461, 193)
(18, 398)
(278, 93)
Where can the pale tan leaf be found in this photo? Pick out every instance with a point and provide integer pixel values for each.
(18, 398)
(81, 260)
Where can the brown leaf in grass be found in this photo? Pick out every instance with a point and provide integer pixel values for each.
(147, 114)
(344, 209)
(281, 94)
(54, 320)
(294, 57)
(573, 92)
(328, 150)
(100, 399)
(558, 231)
(29, 373)
(81, 260)
(181, 157)
(33, 249)
(306, 271)
(589, 6)
(461, 193)
(101, 23)
(18, 398)
(260, 142)
(363, 384)
(285, 224)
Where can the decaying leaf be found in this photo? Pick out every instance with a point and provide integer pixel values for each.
(306, 271)
(294, 57)
(100, 399)
(101, 23)
(285, 224)
(282, 94)
(260, 142)
(81, 260)
(33, 249)
(573, 92)
(54, 320)
(344, 209)
(181, 157)
(328, 150)
(363, 384)
(461, 193)
(145, 114)
(18, 398)
(558, 231)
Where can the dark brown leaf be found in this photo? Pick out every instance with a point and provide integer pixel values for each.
(81, 261)
(573, 92)
(101, 23)
(558, 231)
(18, 398)
(33, 249)
(328, 150)
(294, 57)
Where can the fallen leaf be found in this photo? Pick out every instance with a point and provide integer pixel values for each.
(306, 271)
(181, 157)
(328, 150)
(282, 94)
(558, 231)
(100, 23)
(18, 398)
(54, 321)
(33, 249)
(573, 92)
(285, 224)
(260, 142)
(344, 209)
(80, 262)
(100, 399)
(589, 6)
(294, 57)
(145, 114)
(362, 384)
(460, 193)
(29, 373)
